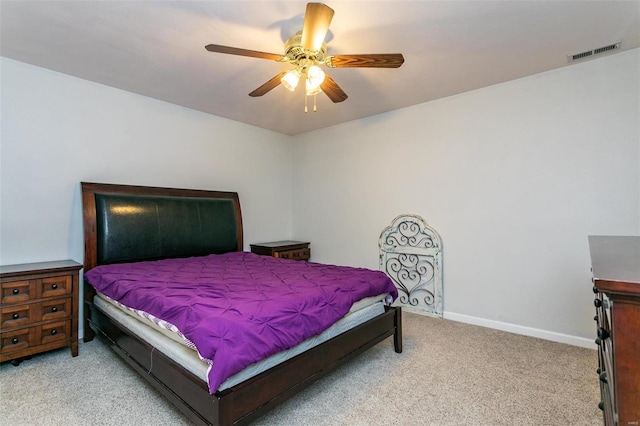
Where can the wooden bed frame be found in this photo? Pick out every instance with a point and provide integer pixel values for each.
(246, 401)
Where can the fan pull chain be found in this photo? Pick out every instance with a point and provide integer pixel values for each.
(306, 109)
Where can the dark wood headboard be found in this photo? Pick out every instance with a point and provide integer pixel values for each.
(125, 223)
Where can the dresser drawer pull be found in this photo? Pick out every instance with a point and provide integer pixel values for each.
(601, 405)
(16, 291)
(602, 333)
(54, 332)
(603, 377)
(595, 290)
(595, 318)
(54, 286)
(54, 309)
(15, 340)
(15, 316)
(598, 341)
(597, 302)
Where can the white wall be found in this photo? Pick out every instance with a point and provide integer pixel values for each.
(58, 130)
(514, 177)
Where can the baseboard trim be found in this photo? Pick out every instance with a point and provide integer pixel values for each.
(519, 329)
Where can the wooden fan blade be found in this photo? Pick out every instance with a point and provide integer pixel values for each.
(268, 85)
(242, 52)
(333, 91)
(316, 24)
(382, 60)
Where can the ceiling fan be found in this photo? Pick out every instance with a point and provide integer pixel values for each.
(307, 51)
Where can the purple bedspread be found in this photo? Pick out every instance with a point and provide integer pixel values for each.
(239, 308)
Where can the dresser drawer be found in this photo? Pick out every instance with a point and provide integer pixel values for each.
(297, 254)
(18, 291)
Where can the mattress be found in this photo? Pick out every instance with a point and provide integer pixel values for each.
(173, 345)
(239, 308)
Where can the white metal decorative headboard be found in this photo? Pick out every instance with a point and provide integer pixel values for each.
(411, 254)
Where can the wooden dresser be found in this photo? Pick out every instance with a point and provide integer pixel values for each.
(38, 308)
(615, 263)
(296, 250)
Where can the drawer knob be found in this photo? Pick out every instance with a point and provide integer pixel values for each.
(54, 286)
(15, 340)
(598, 341)
(595, 318)
(54, 332)
(16, 291)
(54, 309)
(15, 316)
(602, 333)
(603, 377)
(597, 302)
(595, 290)
(601, 405)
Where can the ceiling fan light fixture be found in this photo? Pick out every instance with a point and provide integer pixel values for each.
(315, 77)
(305, 51)
(291, 78)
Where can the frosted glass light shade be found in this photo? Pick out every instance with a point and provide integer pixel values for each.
(312, 90)
(290, 79)
(315, 77)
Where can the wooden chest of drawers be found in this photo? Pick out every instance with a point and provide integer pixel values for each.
(616, 277)
(38, 308)
(296, 250)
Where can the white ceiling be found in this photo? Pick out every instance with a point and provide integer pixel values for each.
(156, 49)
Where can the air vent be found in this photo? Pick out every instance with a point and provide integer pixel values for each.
(599, 50)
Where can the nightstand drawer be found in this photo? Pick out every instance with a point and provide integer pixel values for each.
(23, 291)
(14, 316)
(25, 338)
(298, 254)
(17, 340)
(18, 291)
(17, 316)
(53, 332)
(55, 309)
(55, 286)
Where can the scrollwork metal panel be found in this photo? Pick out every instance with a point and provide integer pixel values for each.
(411, 254)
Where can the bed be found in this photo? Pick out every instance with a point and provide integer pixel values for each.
(136, 225)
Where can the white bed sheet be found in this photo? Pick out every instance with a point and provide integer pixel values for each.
(177, 349)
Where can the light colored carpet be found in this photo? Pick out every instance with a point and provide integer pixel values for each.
(450, 373)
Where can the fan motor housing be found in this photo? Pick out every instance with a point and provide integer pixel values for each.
(295, 53)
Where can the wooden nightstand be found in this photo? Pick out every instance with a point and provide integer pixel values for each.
(296, 250)
(38, 308)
